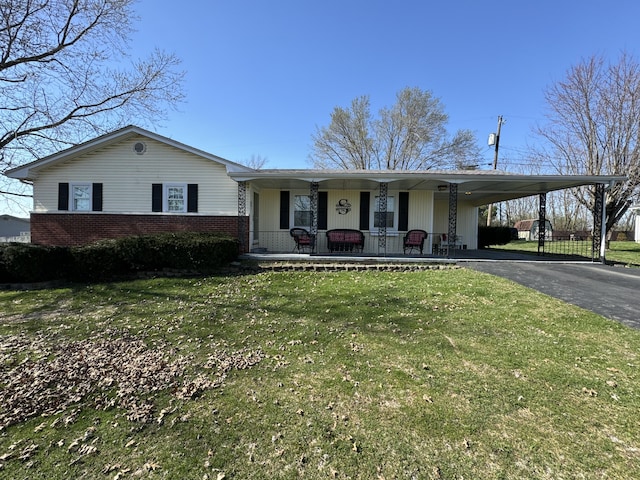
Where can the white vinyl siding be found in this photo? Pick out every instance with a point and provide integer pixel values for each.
(467, 221)
(127, 178)
(421, 210)
(270, 211)
(348, 220)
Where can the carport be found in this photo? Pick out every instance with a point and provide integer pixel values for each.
(473, 187)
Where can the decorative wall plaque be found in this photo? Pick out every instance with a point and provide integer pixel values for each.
(343, 206)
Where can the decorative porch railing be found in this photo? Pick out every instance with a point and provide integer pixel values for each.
(281, 241)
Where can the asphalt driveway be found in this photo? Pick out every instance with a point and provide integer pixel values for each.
(613, 292)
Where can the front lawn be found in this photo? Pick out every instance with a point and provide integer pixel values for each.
(435, 374)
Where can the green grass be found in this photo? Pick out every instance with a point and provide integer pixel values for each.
(627, 253)
(433, 374)
(624, 252)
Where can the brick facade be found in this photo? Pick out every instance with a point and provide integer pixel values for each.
(68, 229)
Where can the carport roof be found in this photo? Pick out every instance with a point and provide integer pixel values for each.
(479, 187)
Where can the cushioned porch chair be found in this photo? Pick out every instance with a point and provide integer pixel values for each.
(304, 240)
(414, 239)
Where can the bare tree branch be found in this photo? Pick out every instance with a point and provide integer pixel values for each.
(593, 128)
(411, 135)
(66, 75)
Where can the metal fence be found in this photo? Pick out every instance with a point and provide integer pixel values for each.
(24, 238)
(570, 245)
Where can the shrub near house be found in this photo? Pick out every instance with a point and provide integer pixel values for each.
(111, 259)
(494, 236)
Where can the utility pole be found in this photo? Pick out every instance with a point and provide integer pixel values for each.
(496, 141)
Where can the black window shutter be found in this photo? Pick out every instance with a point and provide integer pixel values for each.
(63, 196)
(284, 209)
(403, 212)
(96, 197)
(156, 197)
(365, 198)
(192, 197)
(323, 208)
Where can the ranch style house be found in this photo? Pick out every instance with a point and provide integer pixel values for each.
(133, 181)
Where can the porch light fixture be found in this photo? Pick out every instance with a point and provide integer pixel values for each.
(443, 188)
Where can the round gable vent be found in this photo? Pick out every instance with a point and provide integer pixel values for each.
(139, 148)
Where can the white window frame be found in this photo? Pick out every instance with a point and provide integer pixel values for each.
(293, 210)
(72, 198)
(372, 214)
(165, 197)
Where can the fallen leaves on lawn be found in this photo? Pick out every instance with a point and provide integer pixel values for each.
(42, 378)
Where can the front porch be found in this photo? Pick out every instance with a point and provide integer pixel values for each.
(382, 206)
(391, 245)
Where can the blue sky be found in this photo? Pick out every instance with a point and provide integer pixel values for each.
(261, 76)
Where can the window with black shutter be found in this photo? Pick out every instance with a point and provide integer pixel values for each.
(174, 197)
(323, 210)
(365, 198)
(96, 201)
(192, 197)
(63, 196)
(80, 197)
(284, 210)
(403, 211)
(156, 197)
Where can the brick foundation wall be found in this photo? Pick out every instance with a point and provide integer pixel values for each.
(68, 229)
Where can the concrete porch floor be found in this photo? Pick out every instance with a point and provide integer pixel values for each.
(484, 255)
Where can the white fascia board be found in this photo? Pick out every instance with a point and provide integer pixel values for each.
(29, 170)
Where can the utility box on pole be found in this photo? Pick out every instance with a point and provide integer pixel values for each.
(494, 139)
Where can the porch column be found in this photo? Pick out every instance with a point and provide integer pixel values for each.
(542, 221)
(598, 223)
(314, 208)
(453, 217)
(242, 213)
(382, 220)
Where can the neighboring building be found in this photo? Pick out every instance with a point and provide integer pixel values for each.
(529, 229)
(14, 229)
(133, 181)
(636, 211)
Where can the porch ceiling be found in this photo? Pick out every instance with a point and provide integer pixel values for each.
(479, 187)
